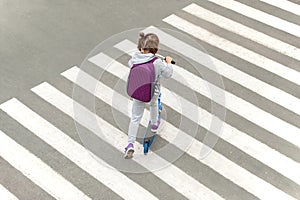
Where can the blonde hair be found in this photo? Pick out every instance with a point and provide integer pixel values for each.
(148, 42)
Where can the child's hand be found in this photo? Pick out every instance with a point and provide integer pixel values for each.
(168, 59)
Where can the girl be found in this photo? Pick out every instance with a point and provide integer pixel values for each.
(148, 47)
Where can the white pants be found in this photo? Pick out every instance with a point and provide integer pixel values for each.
(138, 108)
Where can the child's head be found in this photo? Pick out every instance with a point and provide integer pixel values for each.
(148, 42)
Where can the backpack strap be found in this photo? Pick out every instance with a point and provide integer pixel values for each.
(153, 59)
(150, 61)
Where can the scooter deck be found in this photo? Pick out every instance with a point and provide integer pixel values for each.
(148, 139)
(149, 136)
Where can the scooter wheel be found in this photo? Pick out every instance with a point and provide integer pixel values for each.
(146, 147)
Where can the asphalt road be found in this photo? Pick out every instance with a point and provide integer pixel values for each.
(40, 39)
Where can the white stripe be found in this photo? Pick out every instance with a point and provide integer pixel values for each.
(254, 148)
(216, 161)
(286, 5)
(244, 31)
(6, 195)
(260, 16)
(37, 171)
(232, 48)
(100, 170)
(170, 174)
(268, 91)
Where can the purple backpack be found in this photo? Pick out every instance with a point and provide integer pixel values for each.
(141, 81)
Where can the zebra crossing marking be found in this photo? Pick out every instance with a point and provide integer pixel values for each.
(234, 49)
(243, 30)
(192, 189)
(100, 170)
(243, 108)
(256, 149)
(236, 104)
(37, 171)
(216, 161)
(260, 16)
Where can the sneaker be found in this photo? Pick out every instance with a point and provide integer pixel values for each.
(129, 151)
(155, 127)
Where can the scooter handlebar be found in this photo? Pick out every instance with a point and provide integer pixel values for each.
(164, 58)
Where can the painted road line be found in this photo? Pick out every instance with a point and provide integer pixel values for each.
(100, 170)
(235, 49)
(170, 174)
(5, 194)
(37, 171)
(244, 31)
(254, 148)
(241, 107)
(263, 89)
(285, 5)
(216, 161)
(260, 16)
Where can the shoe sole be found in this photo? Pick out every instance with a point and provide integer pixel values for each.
(129, 154)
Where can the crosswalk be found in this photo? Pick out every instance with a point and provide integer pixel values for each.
(253, 150)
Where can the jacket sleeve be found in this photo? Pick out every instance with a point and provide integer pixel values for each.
(164, 70)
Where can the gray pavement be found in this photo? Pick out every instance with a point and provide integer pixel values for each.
(39, 39)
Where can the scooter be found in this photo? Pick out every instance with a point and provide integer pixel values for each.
(149, 136)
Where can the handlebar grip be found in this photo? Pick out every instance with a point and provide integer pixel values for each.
(172, 61)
